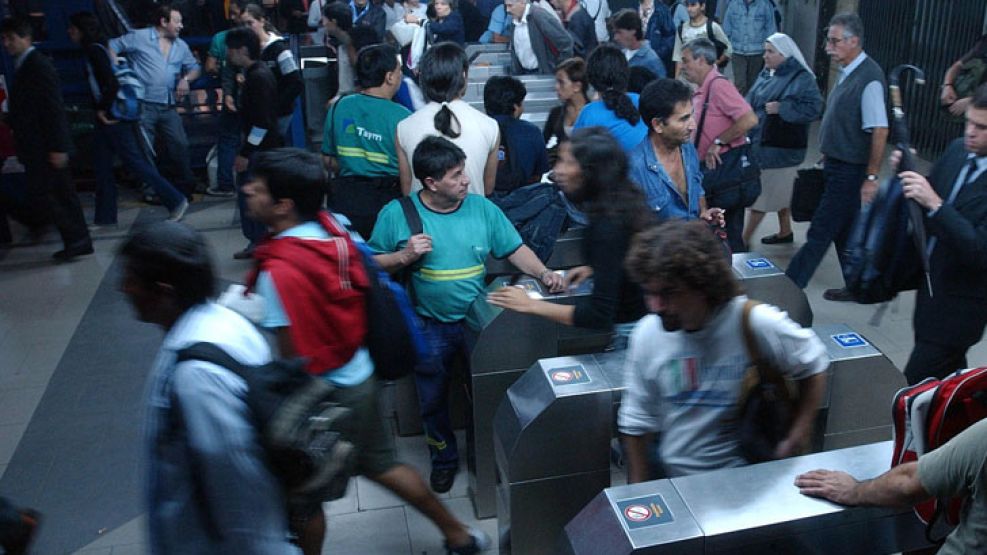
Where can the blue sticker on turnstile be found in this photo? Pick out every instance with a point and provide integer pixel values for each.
(759, 263)
(641, 512)
(568, 375)
(849, 340)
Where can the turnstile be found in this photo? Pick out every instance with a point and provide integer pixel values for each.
(552, 437)
(761, 280)
(568, 252)
(750, 510)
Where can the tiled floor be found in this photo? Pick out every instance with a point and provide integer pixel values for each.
(72, 367)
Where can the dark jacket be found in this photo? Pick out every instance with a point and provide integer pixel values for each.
(615, 298)
(550, 42)
(449, 28)
(801, 102)
(582, 29)
(100, 74)
(283, 65)
(957, 313)
(258, 110)
(37, 113)
(375, 18)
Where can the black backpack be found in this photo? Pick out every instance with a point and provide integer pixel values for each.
(296, 421)
(881, 258)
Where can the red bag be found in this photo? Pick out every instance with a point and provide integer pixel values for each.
(925, 416)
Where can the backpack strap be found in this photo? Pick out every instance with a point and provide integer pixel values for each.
(212, 353)
(767, 373)
(411, 216)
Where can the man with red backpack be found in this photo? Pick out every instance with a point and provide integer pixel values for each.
(312, 279)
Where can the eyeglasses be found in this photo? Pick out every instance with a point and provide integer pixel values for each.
(834, 40)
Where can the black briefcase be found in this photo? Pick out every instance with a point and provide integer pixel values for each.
(806, 193)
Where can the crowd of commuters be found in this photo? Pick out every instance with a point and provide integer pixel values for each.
(651, 105)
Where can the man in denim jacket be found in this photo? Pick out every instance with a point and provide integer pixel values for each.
(748, 23)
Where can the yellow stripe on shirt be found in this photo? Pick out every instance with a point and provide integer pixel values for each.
(357, 152)
(452, 275)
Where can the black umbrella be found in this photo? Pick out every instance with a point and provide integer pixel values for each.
(902, 141)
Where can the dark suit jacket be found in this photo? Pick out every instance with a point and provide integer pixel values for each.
(37, 114)
(957, 312)
(550, 42)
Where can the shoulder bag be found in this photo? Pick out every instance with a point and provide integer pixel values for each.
(736, 181)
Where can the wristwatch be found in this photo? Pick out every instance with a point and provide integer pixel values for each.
(872, 177)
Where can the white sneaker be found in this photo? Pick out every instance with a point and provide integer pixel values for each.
(179, 212)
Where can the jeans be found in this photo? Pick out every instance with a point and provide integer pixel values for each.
(226, 148)
(125, 140)
(447, 341)
(733, 225)
(537, 213)
(833, 220)
(161, 117)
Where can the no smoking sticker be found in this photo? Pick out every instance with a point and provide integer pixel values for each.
(641, 512)
(568, 375)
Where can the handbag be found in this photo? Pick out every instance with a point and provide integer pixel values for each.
(778, 133)
(806, 193)
(736, 181)
(767, 401)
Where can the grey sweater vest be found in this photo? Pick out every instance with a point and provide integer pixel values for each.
(840, 135)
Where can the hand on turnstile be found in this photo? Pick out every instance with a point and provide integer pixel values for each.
(577, 275)
(512, 297)
(554, 282)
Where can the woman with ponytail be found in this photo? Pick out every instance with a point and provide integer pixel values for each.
(616, 110)
(442, 77)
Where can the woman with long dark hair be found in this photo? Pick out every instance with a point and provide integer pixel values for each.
(592, 172)
(115, 136)
(277, 55)
(616, 110)
(442, 76)
(572, 89)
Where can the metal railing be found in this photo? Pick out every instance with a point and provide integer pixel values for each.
(931, 34)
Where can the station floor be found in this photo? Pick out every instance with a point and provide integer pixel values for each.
(73, 363)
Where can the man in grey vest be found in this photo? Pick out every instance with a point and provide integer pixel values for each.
(852, 138)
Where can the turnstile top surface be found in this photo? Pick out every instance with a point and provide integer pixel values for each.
(748, 265)
(573, 375)
(611, 364)
(651, 513)
(736, 499)
(843, 343)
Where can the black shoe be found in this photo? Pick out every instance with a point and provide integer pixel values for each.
(20, 538)
(442, 479)
(839, 295)
(775, 239)
(479, 542)
(69, 253)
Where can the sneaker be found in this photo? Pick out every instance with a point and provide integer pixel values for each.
(217, 192)
(838, 295)
(442, 479)
(775, 239)
(178, 213)
(479, 541)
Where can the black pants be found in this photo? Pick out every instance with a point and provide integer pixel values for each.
(51, 196)
(361, 198)
(934, 360)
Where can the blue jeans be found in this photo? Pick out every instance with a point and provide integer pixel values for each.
(833, 221)
(161, 117)
(537, 213)
(446, 341)
(227, 145)
(125, 140)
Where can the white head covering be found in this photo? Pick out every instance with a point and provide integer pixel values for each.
(787, 48)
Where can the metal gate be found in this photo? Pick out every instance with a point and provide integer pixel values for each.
(931, 34)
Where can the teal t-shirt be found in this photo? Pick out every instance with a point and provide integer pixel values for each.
(447, 280)
(217, 47)
(360, 131)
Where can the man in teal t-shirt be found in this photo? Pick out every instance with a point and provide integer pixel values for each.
(460, 229)
(358, 139)
(228, 140)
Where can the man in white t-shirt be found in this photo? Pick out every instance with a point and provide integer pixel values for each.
(686, 361)
(699, 26)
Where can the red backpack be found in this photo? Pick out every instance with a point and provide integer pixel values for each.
(927, 415)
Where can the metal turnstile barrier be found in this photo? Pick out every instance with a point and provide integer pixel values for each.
(765, 282)
(749, 510)
(552, 438)
(568, 252)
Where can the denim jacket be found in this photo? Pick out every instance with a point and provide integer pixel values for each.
(660, 191)
(748, 25)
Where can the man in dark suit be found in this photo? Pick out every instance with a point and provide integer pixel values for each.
(41, 133)
(954, 196)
